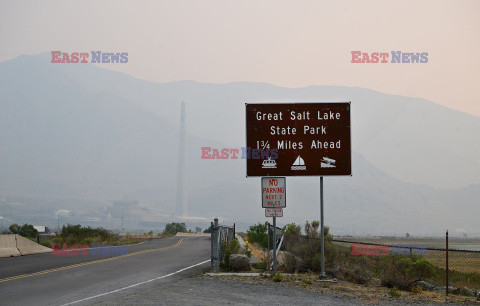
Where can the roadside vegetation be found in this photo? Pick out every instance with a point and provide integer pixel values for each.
(174, 228)
(259, 234)
(397, 272)
(85, 235)
(79, 235)
(26, 230)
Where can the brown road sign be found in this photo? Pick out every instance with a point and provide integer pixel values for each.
(298, 139)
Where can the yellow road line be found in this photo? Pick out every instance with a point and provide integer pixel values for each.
(88, 263)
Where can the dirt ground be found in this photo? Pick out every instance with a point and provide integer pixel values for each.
(368, 294)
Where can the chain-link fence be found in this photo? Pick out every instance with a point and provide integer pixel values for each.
(463, 265)
(220, 234)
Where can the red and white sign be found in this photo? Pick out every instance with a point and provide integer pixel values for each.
(273, 192)
(273, 212)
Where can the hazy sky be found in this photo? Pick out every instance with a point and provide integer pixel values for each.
(288, 43)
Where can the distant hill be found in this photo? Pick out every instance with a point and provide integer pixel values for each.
(411, 139)
(79, 131)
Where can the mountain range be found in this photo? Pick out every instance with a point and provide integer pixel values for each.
(81, 131)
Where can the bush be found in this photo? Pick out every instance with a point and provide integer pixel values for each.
(46, 243)
(258, 233)
(26, 230)
(262, 265)
(291, 263)
(358, 274)
(308, 249)
(312, 231)
(337, 255)
(229, 248)
(292, 234)
(76, 234)
(174, 228)
(208, 230)
(401, 272)
(423, 269)
(317, 262)
(277, 278)
(394, 292)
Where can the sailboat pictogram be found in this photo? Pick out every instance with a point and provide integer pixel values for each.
(299, 164)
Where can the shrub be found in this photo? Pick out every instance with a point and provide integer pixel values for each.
(423, 268)
(337, 255)
(291, 263)
(262, 264)
(292, 234)
(317, 262)
(308, 249)
(401, 272)
(174, 228)
(312, 231)
(26, 230)
(46, 243)
(208, 230)
(76, 234)
(277, 278)
(358, 274)
(394, 292)
(258, 233)
(229, 248)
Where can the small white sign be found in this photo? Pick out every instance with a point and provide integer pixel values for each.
(273, 212)
(274, 192)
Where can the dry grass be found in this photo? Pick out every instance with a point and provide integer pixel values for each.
(458, 261)
(368, 294)
(257, 251)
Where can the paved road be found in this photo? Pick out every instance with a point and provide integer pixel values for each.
(48, 279)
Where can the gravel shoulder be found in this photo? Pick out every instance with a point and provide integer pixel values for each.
(208, 290)
(216, 291)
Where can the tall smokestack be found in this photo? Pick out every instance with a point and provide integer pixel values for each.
(181, 209)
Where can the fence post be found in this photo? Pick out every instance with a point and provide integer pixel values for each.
(215, 245)
(446, 263)
(268, 235)
(274, 251)
(212, 231)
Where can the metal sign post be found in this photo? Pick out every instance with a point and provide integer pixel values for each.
(322, 271)
(274, 270)
(274, 200)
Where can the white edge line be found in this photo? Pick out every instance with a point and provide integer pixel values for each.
(138, 284)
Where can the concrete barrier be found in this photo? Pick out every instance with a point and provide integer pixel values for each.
(8, 246)
(28, 247)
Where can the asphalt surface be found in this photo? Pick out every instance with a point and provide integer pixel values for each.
(48, 279)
